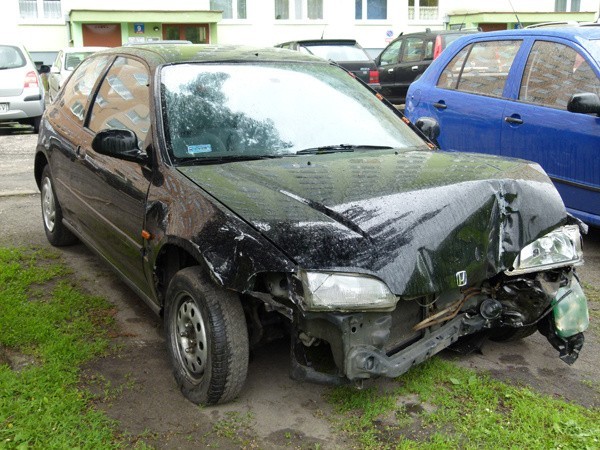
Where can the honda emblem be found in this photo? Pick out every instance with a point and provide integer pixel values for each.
(461, 278)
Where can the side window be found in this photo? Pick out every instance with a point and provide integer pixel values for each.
(413, 50)
(391, 55)
(554, 72)
(451, 73)
(123, 100)
(485, 70)
(77, 90)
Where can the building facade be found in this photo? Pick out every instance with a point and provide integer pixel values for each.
(44, 26)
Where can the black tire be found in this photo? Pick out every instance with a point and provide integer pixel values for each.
(209, 323)
(56, 232)
(35, 123)
(512, 334)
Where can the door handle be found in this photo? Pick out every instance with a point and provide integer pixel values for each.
(414, 68)
(514, 120)
(80, 153)
(440, 105)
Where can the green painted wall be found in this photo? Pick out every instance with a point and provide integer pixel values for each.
(474, 20)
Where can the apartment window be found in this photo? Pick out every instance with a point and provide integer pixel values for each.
(40, 9)
(423, 9)
(232, 9)
(370, 9)
(567, 5)
(298, 9)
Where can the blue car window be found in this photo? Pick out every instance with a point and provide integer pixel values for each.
(480, 68)
(554, 72)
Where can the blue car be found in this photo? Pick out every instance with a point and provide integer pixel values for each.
(531, 94)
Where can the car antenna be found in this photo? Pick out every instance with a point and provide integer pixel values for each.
(520, 25)
(323, 32)
(463, 22)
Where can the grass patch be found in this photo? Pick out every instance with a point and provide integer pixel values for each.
(236, 428)
(51, 327)
(464, 410)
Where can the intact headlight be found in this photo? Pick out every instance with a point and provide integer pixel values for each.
(561, 247)
(325, 291)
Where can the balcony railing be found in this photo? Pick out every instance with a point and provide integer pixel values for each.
(425, 13)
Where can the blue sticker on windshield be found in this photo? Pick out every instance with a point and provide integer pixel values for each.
(200, 148)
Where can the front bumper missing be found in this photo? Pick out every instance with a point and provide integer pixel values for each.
(358, 341)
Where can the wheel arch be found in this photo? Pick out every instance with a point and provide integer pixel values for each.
(38, 167)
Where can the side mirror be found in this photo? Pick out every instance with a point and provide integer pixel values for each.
(54, 69)
(584, 103)
(121, 144)
(429, 127)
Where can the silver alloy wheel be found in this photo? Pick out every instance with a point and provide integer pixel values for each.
(48, 205)
(191, 339)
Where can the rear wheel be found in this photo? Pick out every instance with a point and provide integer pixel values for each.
(207, 338)
(56, 232)
(35, 123)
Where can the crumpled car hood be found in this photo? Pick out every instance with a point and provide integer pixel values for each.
(412, 218)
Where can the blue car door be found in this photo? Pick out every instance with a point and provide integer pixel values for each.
(539, 127)
(469, 98)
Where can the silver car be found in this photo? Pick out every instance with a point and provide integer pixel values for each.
(21, 90)
(66, 61)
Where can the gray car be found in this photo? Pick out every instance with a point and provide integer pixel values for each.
(21, 90)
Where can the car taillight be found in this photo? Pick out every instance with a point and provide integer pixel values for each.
(373, 77)
(31, 80)
(437, 47)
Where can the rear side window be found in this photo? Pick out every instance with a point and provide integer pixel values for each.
(80, 85)
(481, 68)
(413, 50)
(554, 72)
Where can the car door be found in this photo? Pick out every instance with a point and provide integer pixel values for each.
(387, 63)
(66, 118)
(113, 191)
(539, 127)
(416, 55)
(469, 98)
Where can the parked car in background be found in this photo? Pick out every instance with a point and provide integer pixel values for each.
(65, 62)
(407, 57)
(346, 52)
(532, 94)
(21, 89)
(254, 194)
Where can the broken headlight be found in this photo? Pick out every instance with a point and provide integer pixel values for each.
(325, 291)
(561, 247)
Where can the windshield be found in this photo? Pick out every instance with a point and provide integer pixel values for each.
(11, 57)
(72, 60)
(272, 109)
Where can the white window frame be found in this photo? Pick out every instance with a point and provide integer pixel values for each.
(414, 13)
(40, 16)
(364, 16)
(293, 9)
(234, 11)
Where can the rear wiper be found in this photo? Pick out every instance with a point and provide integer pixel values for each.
(339, 148)
(200, 160)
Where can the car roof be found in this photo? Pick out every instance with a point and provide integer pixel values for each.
(83, 49)
(580, 34)
(178, 53)
(325, 42)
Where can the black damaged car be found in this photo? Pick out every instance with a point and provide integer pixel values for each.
(249, 194)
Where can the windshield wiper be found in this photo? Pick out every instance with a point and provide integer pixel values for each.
(200, 160)
(339, 148)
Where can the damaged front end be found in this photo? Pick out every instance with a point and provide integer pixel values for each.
(352, 327)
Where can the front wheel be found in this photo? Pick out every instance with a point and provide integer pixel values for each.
(56, 232)
(207, 338)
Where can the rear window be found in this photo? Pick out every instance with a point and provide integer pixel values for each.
(11, 57)
(338, 52)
